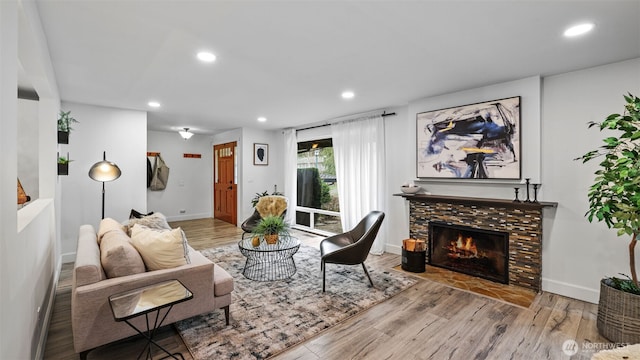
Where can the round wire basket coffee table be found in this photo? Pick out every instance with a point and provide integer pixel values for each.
(268, 262)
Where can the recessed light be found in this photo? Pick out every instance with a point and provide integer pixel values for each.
(262, 119)
(578, 30)
(348, 95)
(154, 104)
(206, 56)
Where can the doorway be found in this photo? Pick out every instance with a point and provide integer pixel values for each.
(225, 186)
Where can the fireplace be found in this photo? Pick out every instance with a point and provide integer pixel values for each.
(477, 252)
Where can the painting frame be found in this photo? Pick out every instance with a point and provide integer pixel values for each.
(260, 154)
(479, 141)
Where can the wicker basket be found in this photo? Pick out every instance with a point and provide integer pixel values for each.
(618, 315)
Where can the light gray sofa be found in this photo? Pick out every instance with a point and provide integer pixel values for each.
(91, 317)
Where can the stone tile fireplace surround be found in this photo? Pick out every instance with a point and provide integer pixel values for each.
(523, 222)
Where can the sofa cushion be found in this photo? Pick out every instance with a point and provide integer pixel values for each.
(118, 256)
(106, 225)
(160, 249)
(153, 221)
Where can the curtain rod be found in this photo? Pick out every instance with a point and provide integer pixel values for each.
(384, 114)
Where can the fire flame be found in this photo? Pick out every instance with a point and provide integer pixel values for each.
(464, 246)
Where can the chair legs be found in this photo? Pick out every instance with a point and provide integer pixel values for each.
(366, 272)
(323, 268)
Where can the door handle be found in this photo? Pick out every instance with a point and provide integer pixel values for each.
(230, 188)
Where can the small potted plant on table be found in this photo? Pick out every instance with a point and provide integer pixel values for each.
(270, 228)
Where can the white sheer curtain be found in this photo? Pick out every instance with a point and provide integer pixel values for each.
(290, 173)
(358, 149)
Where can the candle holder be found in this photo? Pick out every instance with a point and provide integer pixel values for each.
(535, 192)
(516, 199)
(528, 182)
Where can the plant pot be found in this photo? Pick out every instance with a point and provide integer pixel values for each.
(63, 169)
(271, 239)
(618, 314)
(63, 137)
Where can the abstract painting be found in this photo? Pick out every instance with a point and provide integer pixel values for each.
(476, 141)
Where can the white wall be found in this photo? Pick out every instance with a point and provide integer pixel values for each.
(123, 135)
(190, 186)
(29, 251)
(255, 178)
(401, 150)
(28, 147)
(577, 254)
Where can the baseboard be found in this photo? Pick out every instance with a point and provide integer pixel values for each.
(393, 249)
(67, 258)
(188, 217)
(571, 290)
(48, 313)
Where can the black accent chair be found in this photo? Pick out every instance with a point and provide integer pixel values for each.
(352, 247)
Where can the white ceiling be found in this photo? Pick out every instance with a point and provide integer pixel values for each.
(290, 60)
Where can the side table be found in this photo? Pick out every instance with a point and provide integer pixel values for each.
(146, 300)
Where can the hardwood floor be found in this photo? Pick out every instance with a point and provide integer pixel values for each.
(427, 321)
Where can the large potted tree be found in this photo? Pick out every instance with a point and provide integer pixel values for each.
(614, 198)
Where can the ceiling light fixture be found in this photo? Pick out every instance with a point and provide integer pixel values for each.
(206, 56)
(348, 95)
(186, 134)
(578, 30)
(153, 104)
(262, 119)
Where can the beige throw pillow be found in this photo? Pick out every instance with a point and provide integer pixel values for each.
(160, 249)
(106, 225)
(118, 257)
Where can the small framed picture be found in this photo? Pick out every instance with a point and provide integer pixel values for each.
(260, 154)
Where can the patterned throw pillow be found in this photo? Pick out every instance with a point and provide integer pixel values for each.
(153, 221)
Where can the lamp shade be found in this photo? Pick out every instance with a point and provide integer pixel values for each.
(186, 134)
(104, 170)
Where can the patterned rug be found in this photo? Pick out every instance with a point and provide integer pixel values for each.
(269, 317)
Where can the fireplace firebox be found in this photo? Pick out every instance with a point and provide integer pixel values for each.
(477, 252)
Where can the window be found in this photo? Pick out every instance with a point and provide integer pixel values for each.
(318, 207)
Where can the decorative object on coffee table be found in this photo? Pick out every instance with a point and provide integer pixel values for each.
(516, 190)
(613, 198)
(271, 228)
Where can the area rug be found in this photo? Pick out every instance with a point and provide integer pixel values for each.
(269, 317)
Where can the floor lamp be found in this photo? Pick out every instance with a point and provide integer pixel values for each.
(104, 171)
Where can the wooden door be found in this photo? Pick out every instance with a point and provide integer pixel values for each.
(225, 189)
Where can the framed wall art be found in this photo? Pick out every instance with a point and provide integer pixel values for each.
(260, 154)
(476, 141)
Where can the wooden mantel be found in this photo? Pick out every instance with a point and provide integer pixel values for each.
(478, 201)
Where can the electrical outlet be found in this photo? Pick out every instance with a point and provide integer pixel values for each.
(182, 211)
